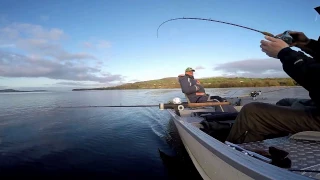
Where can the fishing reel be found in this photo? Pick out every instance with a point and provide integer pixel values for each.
(286, 37)
(254, 94)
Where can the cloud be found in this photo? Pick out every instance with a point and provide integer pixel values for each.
(7, 45)
(41, 54)
(45, 48)
(100, 44)
(88, 45)
(199, 68)
(2, 87)
(15, 65)
(252, 68)
(34, 39)
(24, 30)
(103, 44)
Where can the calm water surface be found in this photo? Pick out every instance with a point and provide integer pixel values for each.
(39, 139)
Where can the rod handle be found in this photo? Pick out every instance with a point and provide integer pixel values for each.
(267, 34)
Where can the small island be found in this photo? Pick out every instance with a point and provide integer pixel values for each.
(13, 90)
(216, 82)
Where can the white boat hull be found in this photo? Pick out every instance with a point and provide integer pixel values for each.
(214, 160)
(207, 163)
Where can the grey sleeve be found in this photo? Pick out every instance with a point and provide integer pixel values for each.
(187, 86)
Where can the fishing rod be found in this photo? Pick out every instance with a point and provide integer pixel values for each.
(161, 106)
(275, 90)
(255, 93)
(153, 105)
(278, 90)
(285, 36)
(304, 170)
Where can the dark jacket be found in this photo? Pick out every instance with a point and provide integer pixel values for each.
(303, 69)
(190, 87)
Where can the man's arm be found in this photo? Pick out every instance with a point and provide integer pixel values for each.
(311, 47)
(303, 69)
(187, 87)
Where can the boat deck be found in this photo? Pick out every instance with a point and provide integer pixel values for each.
(304, 154)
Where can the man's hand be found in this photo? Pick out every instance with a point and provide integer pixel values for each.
(198, 82)
(273, 46)
(299, 38)
(197, 88)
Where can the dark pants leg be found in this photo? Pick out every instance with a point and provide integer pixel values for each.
(257, 121)
(202, 99)
(286, 101)
(296, 103)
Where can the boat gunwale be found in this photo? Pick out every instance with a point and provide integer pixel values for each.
(236, 159)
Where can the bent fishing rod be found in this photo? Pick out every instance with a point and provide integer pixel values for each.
(285, 36)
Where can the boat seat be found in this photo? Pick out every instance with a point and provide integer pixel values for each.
(307, 135)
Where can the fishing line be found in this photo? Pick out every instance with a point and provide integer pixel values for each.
(234, 93)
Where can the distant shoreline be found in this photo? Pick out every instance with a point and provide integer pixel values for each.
(217, 82)
(99, 89)
(14, 91)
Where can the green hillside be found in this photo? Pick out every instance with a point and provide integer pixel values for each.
(216, 82)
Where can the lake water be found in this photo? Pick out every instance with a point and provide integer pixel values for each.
(39, 139)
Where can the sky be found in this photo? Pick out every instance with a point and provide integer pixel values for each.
(78, 43)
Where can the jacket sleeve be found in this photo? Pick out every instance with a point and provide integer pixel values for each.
(187, 86)
(303, 69)
(312, 47)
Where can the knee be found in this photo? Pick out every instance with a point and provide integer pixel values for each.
(247, 116)
(284, 102)
(247, 112)
(251, 107)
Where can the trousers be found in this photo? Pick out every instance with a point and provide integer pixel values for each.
(257, 121)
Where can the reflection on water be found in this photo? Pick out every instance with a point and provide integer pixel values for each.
(38, 139)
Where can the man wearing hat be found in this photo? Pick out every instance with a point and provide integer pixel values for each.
(192, 87)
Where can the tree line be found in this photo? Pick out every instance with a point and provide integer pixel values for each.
(217, 82)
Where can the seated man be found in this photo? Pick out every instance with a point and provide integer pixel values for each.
(192, 87)
(257, 121)
(196, 94)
